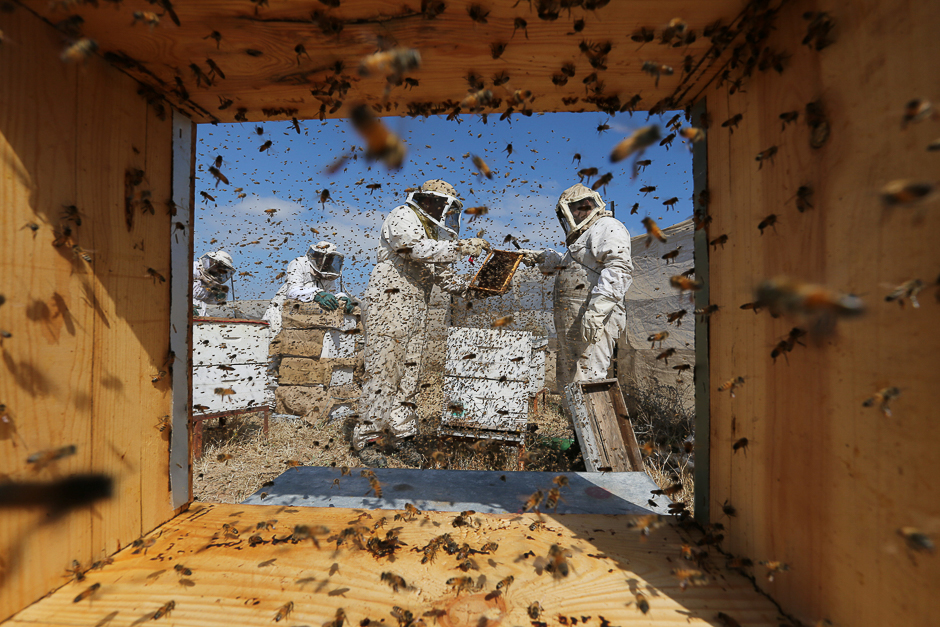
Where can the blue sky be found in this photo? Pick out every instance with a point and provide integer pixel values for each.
(289, 176)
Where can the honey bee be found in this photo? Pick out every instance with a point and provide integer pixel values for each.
(381, 144)
(561, 481)
(765, 155)
(657, 70)
(338, 619)
(557, 562)
(482, 167)
(395, 62)
(643, 35)
(646, 189)
(219, 177)
(375, 486)
(501, 322)
(905, 192)
(907, 290)
(666, 354)
(43, 458)
(740, 444)
(676, 316)
(554, 495)
(731, 385)
(671, 201)
(682, 368)
(81, 253)
(87, 593)
(394, 581)
(917, 540)
(182, 570)
(207, 196)
(667, 140)
(477, 100)
(882, 398)
(693, 134)
(533, 501)
(79, 51)
(657, 337)
(819, 30)
(476, 212)
(689, 576)
(782, 295)
(769, 221)
(293, 463)
(602, 181)
(534, 610)
(787, 117)
(461, 584)
(774, 567)
(732, 122)
(643, 164)
(652, 230)
(282, 613)
(165, 610)
(641, 603)
(223, 392)
(156, 276)
(685, 284)
(639, 141)
(738, 563)
(224, 457)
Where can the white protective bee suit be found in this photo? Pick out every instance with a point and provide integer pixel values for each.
(417, 246)
(210, 273)
(592, 280)
(318, 271)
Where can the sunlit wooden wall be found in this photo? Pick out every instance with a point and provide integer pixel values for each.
(825, 483)
(86, 338)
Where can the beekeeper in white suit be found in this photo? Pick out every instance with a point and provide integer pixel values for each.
(312, 277)
(593, 277)
(211, 272)
(418, 243)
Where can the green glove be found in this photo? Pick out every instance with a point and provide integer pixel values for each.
(350, 304)
(326, 300)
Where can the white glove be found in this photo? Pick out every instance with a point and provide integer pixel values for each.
(531, 257)
(592, 322)
(472, 247)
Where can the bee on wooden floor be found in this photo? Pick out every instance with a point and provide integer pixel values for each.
(186, 572)
(904, 291)
(652, 230)
(79, 51)
(461, 584)
(641, 603)
(394, 581)
(917, 540)
(905, 192)
(658, 337)
(557, 562)
(87, 593)
(639, 141)
(731, 385)
(732, 122)
(765, 155)
(657, 70)
(534, 610)
(76, 571)
(917, 110)
(882, 398)
(769, 221)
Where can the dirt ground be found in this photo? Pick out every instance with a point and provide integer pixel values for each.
(238, 457)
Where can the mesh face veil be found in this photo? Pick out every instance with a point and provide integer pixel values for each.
(326, 261)
(218, 266)
(437, 201)
(578, 208)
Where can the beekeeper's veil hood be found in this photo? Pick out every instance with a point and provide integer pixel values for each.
(579, 197)
(326, 261)
(437, 201)
(217, 267)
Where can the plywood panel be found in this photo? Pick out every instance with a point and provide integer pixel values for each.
(232, 582)
(824, 483)
(72, 366)
(282, 76)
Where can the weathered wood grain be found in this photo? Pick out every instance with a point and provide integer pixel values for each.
(825, 483)
(234, 583)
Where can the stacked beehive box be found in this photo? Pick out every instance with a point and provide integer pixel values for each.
(319, 355)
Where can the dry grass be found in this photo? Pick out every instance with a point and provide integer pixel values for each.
(257, 458)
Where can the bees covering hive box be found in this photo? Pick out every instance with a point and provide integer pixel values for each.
(495, 275)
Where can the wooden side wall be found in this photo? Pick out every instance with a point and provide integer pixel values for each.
(86, 338)
(825, 483)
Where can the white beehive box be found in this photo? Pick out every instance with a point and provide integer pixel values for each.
(486, 378)
(240, 347)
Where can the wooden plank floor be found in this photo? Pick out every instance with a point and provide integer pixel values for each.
(233, 583)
